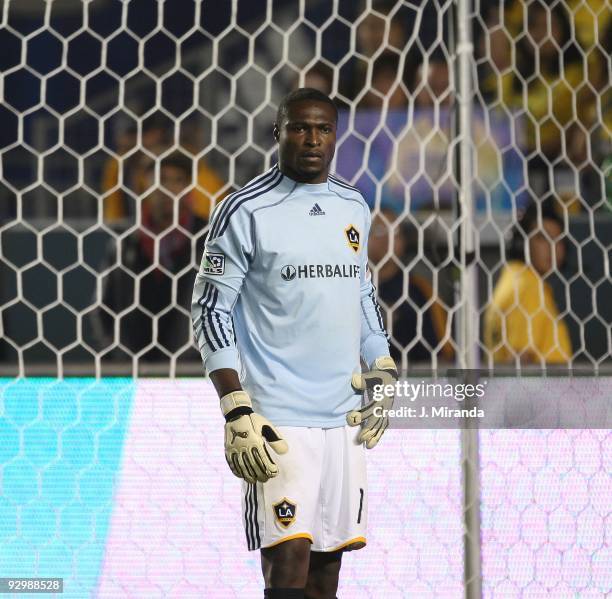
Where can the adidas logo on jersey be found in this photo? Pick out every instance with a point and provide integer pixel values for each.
(316, 211)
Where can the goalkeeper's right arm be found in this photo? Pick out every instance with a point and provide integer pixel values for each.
(247, 434)
(224, 265)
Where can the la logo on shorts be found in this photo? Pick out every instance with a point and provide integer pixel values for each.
(284, 511)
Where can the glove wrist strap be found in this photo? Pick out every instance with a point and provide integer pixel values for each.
(237, 412)
(236, 403)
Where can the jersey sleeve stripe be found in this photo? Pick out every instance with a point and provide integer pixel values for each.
(343, 184)
(218, 319)
(377, 307)
(254, 185)
(253, 195)
(202, 302)
(213, 303)
(233, 330)
(208, 306)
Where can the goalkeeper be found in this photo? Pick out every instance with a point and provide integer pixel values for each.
(283, 309)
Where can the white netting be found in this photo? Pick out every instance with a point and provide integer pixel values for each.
(111, 108)
(124, 123)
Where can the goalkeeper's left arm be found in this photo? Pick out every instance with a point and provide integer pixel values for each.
(375, 353)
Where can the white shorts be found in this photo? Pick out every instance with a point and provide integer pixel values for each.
(319, 494)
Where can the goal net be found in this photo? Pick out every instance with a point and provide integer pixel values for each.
(125, 123)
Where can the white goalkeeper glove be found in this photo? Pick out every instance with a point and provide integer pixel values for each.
(247, 436)
(384, 372)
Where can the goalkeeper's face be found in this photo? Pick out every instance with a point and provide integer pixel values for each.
(307, 141)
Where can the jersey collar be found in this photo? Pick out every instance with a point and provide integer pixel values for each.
(290, 183)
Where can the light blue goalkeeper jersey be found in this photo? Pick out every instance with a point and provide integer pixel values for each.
(284, 297)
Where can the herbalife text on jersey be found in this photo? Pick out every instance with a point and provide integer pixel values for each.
(413, 391)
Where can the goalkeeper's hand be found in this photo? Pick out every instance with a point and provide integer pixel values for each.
(384, 372)
(247, 436)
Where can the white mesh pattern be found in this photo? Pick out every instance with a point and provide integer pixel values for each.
(93, 96)
(546, 66)
(98, 100)
(90, 98)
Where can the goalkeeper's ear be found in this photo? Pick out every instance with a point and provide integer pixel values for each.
(276, 132)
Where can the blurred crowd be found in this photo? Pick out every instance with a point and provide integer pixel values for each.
(543, 66)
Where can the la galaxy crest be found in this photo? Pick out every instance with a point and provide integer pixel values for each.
(352, 237)
(285, 511)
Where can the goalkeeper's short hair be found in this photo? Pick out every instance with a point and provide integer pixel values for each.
(301, 95)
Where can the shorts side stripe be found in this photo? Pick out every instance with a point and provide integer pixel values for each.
(256, 518)
(247, 522)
